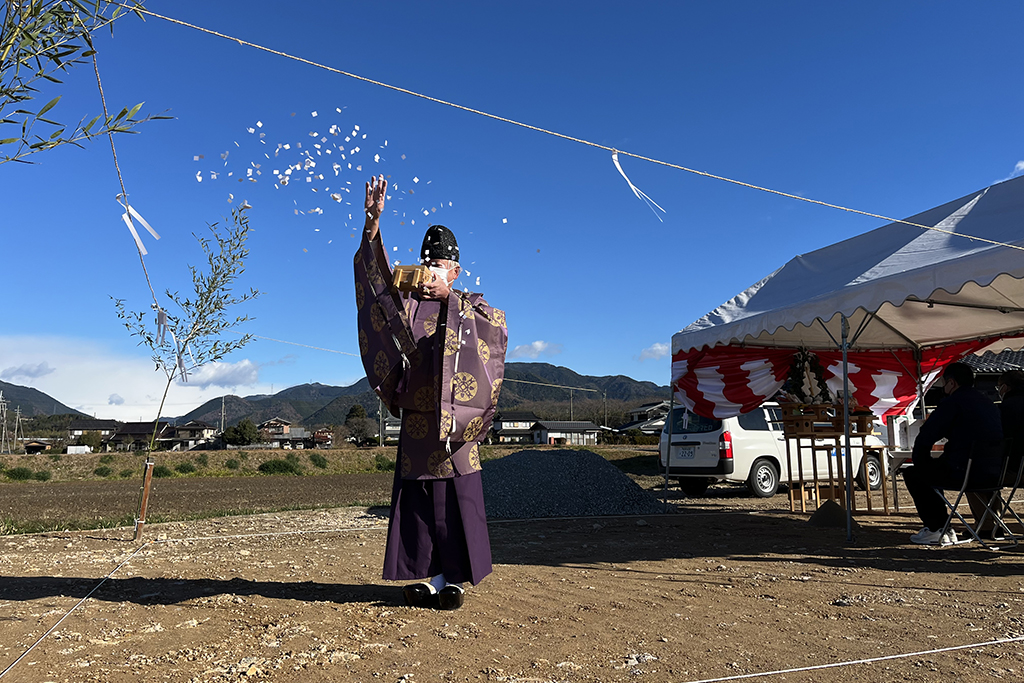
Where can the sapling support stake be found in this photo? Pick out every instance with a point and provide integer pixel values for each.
(147, 484)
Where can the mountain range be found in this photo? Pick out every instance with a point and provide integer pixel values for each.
(317, 405)
(526, 387)
(34, 402)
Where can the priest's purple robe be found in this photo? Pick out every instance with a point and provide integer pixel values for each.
(440, 365)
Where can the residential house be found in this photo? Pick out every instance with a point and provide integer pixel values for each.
(135, 436)
(193, 433)
(514, 426)
(323, 438)
(281, 434)
(565, 432)
(392, 428)
(79, 428)
(275, 426)
(35, 446)
(648, 418)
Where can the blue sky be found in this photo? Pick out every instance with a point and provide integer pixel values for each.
(886, 107)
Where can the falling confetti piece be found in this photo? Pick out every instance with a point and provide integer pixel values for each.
(394, 248)
(199, 176)
(305, 251)
(314, 114)
(504, 220)
(259, 124)
(478, 282)
(403, 157)
(415, 180)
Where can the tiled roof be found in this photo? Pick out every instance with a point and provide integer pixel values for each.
(141, 428)
(567, 426)
(516, 416)
(997, 362)
(93, 425)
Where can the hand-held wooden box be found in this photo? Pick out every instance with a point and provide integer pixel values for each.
(409, 278)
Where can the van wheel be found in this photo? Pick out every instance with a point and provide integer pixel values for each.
(694, 487)
(874, 471)
(763, 479)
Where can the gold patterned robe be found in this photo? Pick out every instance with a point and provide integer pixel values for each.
(439, 364)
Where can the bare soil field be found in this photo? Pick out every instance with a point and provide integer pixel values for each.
(727, 587)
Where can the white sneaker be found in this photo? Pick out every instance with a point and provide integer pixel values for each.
(949, 538)
(927, 537)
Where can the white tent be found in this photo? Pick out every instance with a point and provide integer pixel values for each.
(899, 287)
(901, 301)
(908, 286)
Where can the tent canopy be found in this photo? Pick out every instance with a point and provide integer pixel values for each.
(912, 297)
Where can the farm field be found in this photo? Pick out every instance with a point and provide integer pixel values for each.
(725, 587)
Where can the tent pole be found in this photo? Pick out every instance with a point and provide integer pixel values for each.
(846, 432)
(668, 449)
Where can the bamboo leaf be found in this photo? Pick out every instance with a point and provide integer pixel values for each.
(48, 106)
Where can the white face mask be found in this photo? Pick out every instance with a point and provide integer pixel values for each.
(441, 272)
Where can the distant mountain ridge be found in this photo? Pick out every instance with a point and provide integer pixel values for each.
(317, 405)
(34, 402)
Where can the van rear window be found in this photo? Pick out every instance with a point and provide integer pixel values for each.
(685, 422)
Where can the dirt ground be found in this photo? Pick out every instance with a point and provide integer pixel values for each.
(727, 586)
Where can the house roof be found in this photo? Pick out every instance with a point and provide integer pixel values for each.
(274, 420)
(997, 362)
(566, 426)
(516, 416)
(647, 406)
(514, 432)
(141, 428)
(195, 424)
(93, 425)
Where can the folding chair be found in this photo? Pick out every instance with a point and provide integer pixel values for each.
(1012, 453)
(990, 496)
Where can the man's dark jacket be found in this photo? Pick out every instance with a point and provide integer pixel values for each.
(1012, 411)
(971, 424)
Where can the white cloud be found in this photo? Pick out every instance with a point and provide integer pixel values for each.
(109, 384)
(1018, 169)
(26, 371)
(655, 351)
(244, 373)
(535, 349)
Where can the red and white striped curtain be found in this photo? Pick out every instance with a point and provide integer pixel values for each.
(729, 380)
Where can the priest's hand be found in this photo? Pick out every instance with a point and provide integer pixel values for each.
(376, 192)
(437, 289)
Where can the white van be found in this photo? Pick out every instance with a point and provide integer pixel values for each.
(751, 449)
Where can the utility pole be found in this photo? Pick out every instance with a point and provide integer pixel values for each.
(605, 408)
(221, 414)
(380, 414)
(570, 405)
(18, 428)
(5, 444)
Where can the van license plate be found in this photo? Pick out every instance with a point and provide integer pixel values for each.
(685, 452)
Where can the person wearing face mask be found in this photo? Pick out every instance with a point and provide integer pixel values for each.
(435, 356)
(970, 424)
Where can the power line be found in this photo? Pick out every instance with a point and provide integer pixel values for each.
(307, 346)
(557, 386)
(581, 141)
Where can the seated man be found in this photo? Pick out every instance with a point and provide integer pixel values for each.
(1010, 387)
(971, 426)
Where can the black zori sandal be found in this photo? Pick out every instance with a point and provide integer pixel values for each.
(450, 597)
(420, 595)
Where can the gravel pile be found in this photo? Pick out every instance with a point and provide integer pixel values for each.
(531, 484)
